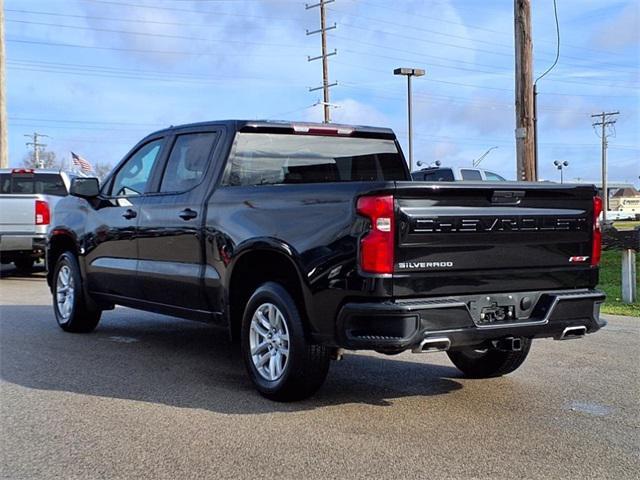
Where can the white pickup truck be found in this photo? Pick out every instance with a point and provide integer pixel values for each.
(27, 199)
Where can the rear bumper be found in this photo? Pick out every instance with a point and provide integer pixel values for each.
(22, 243)
(405, 324)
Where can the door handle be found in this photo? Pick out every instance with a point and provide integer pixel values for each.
(188, 214)
(129, 214)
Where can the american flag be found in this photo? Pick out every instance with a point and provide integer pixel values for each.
(80, 162)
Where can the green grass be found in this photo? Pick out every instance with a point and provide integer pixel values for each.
(626, 224)
(611, 283)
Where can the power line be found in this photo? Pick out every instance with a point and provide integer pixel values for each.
(535, 88)
(482, 87)
(137, 50)
(156, 7)
(435, 42)
(187, 10)
(141, 75)
(555, 62)
(129, 73)
(427, 98)
(475, 70)
(148, 34)
(99, 122)
(414, 14)
(415, 28)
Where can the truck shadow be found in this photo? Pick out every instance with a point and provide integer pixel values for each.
(37, 273)
(153, 358)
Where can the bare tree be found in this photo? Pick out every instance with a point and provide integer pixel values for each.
(47, 159)
(101, 170)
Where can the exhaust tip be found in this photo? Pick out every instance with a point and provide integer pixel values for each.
(573, 332)
(440, 344)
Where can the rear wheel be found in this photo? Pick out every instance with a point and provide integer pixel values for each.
(72, 311)
(280, 361)
(489, 362)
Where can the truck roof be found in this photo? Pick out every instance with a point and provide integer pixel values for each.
(35, 170)
(269, 125)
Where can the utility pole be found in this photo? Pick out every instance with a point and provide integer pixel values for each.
(325, 62)
(4, 142)
(603, 123)
(525, 140)
(37, 147)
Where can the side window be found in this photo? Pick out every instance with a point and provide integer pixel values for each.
(468, 174)
(133, 176)
(188, 162)
(493, 177)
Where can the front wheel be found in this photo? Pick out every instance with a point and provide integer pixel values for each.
(69, 304)
(489, 362)
(280, 361)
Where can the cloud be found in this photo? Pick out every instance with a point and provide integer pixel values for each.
(623, 31)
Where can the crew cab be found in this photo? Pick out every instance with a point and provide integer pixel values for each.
(27, 197)
(302, 240)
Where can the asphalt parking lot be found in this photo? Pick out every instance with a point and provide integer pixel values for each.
(152, 396)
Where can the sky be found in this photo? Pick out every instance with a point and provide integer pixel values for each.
(98, 75)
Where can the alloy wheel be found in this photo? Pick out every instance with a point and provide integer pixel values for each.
(269, 341)
(65, 292)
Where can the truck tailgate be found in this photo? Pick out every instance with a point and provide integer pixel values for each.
(492, 237)
(17, 213)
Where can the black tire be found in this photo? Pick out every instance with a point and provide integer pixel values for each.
(490, 362)
(306, 366)
(24, 263)
(82, 318)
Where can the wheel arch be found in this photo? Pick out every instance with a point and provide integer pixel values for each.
(60, 240)
(256, 263)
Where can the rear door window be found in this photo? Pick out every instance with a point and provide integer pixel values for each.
(188, 161)
(32, 183)
(470, 174)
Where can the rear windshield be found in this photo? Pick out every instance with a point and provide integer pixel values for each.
(273, 158)
(30, 183)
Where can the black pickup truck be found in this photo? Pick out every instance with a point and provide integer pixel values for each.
(302, 240)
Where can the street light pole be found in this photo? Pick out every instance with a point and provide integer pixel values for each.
(477, 161)
(410, 121)
(560, 166)
(409, 72)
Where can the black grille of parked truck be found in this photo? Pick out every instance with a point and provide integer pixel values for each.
(302, 240)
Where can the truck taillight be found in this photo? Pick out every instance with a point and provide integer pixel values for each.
(597, 232)
(43, 214)
(377, 246)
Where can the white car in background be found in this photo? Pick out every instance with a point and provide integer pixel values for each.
(27, 200)
(456, 174)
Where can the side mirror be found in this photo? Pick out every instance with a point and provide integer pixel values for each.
(85, 187)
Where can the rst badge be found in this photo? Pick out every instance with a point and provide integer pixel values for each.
(578, 259)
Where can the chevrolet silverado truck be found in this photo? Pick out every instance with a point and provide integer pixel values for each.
(303, 240)
(27, 198)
